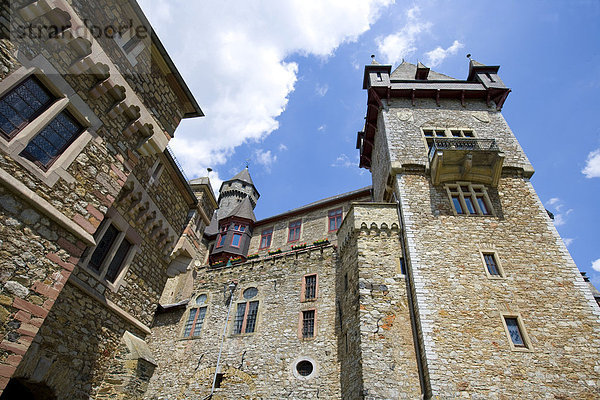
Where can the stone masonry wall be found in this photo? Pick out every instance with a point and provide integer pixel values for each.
(467, 350)
(388, 359)
(260, 364)
(406, 142)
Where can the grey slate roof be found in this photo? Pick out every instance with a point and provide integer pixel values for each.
(242, 210)
(406, 72)
(244, 176)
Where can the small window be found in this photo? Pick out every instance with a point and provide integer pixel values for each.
(22, 105)
(250, 293)
(111, 254)
(201, 299)
(294, 231)
(468, 199)
(491, 264)
(221, 236)
(335, 219)
(308, 324)
(53, 140)
(238, 231)
(304, 368)
(310, 287)
(515, 330)
(158, 168)
(193, 325)
(402, 266)
(265, 238)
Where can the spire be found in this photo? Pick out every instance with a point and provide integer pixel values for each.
(373, 61)
(243, 176)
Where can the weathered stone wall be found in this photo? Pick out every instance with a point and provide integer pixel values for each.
(377, 307)
(314, 227)
(408, 146)
(454, 294)
(261, 364)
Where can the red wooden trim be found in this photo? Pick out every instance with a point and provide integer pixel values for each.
(264, 233)
(303, 292)
(301, 325)
(333, 214)
(299, 228)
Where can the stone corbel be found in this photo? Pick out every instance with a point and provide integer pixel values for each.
(149, 224)
(81, 46)
(142, 211)
(108, 86)
(35, 10)
(135, 201)
(147, 219)
(137, 127)
(124, 108)
(127, 191)
(156, 229)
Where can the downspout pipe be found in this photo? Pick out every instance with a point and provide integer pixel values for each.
(231, 287)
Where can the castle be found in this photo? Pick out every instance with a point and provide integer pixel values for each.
(445, 278)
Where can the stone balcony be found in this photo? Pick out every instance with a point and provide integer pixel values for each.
(466, 159)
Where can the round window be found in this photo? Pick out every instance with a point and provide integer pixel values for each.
(201, 299)
(304, 368)
(250, 293)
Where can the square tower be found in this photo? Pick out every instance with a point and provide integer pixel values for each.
(499, 305)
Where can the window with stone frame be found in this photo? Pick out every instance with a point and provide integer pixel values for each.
(294, 230)
(195, 320)
(116, 245)
(469, 199)
(246, 314)
(334, 219)
(308, 324)
(516, 333)
(493, 267)
(309, 287)
(23, 104)
(265, 238)
(430, 133)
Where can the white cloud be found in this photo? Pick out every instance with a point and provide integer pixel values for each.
(344, 161)
(557, 206)
(321, 90)
(568, 241)
(596, 265)
(321, 128)
(401, 44)
(265, 158)
(282, 147)
(436, 56)
(592, 165)
(233, 57)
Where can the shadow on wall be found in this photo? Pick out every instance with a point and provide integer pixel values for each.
(21, 389)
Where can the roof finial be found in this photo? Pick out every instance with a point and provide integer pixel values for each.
(208, 171)
(247, 163)
(373, 61)
(469, 56)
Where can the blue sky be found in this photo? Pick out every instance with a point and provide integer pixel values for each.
(280, 84)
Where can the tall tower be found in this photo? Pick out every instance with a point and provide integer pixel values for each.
(233, 223)
(498, 305)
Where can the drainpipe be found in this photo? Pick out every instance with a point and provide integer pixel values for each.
(231, 287)
(411, 307)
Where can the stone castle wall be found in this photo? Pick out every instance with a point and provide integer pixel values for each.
(260, 364)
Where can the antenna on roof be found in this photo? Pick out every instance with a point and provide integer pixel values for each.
(247, 163)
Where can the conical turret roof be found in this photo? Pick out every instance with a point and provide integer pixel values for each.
(243, 210)
(243, 176)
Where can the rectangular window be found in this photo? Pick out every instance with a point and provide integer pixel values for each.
(53, 140)
(490, 263)
(22, 105)
(294, 233)
(111, 254)
(308, 324)
(469, 199)
(265, 238)
(245, 317)
(402, 266)
(335, 219)
(512, 324)
(193, 325)
(310, 287)
(236, 238)
(221, 236)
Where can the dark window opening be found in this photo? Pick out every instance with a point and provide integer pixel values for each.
(310, 287)
(219, 380)
(308, 324)
(304, 368)
(514, 331)
(490, 263)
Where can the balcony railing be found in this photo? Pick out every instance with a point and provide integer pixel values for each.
(471, 144)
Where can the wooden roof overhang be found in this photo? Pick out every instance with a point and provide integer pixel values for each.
(437, 90)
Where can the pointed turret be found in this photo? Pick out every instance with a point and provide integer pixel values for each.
(236, 189)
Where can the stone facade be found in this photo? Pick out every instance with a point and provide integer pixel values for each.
(444, 279)
(74, 298)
